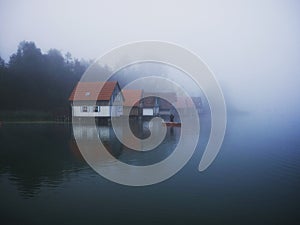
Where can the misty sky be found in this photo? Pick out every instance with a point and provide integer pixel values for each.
(253, 47)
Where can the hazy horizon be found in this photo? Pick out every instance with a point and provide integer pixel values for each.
(252, 46)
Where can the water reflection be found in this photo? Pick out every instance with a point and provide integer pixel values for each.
(88, 135)
(44, 179)
(33, 156)
(36, 155)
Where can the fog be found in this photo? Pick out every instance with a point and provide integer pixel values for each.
(252, 47)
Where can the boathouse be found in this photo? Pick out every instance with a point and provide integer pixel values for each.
(132, 105)
(158, 106)
(88, 101)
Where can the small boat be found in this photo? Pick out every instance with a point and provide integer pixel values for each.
(172, 124)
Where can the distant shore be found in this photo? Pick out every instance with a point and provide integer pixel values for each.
(34, 122)
(31, 117)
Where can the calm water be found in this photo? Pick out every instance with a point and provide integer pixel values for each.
(254, 180)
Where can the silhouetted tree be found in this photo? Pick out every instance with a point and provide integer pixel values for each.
(35, 81)
(2, 63)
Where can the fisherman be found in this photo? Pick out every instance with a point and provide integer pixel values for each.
(171, 118)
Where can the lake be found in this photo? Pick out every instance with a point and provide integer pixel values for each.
(255, 179)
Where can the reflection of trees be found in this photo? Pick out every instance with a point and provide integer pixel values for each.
(45, 155)
(33, 155)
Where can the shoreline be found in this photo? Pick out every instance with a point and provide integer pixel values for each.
(33, 122)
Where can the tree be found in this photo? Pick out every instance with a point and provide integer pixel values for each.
(37, 81)
(2, 63)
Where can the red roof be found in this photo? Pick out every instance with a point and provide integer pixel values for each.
(132, 97)
(184, 102)
(149, 102)
(89, 91)
(163, 104)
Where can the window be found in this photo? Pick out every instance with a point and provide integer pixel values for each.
(96, 108)
(84, 108)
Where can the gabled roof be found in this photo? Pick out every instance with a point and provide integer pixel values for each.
(89, 91)
(132, 97)
(184, 102)
(163, 104)
(149, 102)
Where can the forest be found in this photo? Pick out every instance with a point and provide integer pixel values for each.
(34, 85)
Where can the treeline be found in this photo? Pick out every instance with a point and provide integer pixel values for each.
(33, 81)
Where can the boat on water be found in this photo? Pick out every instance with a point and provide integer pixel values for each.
(172, 124)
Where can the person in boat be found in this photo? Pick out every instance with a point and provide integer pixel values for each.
(171, 118)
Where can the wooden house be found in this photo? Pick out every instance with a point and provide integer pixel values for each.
(158, 106)
(132, 105)
(88, 101)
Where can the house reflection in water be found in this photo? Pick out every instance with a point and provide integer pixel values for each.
(89, 135)
(87, 132)
(88, 139)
